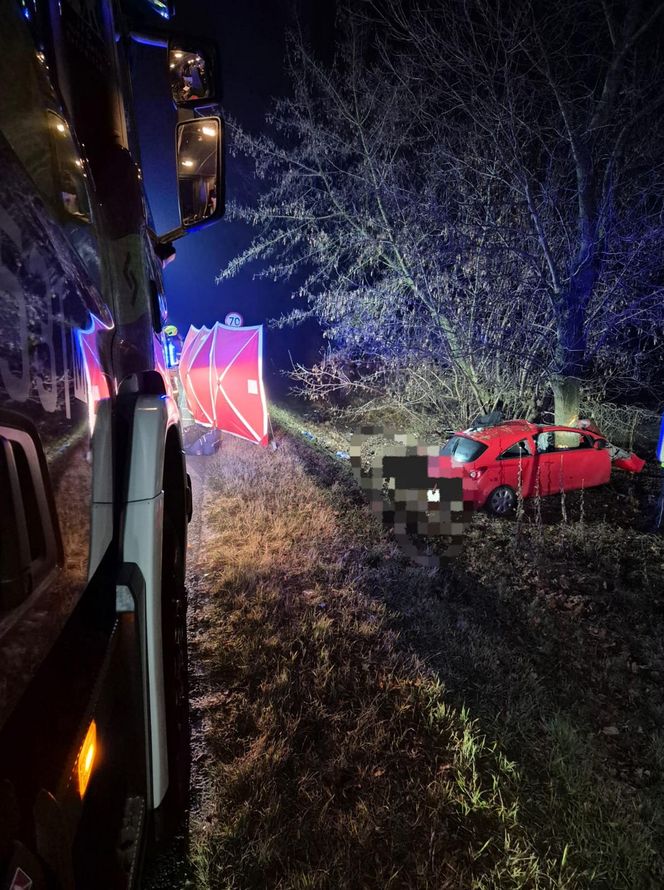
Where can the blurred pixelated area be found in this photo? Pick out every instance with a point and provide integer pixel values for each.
(394, 470)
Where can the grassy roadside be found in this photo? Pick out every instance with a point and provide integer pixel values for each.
(363, 724)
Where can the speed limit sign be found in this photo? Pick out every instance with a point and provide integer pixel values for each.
(234, 320)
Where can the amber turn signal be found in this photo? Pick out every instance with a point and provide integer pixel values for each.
(86, 758)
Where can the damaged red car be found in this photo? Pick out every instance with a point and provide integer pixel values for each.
(497, 462)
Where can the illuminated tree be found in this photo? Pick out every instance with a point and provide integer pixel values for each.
(561, 105)
(473, 194)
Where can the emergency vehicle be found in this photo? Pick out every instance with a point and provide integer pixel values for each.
(94, 495)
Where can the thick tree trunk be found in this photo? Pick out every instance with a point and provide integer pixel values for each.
(570, 359)
(572, 303)
(567, 398)
(571, 363)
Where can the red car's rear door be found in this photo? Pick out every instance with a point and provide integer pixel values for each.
(514, 466)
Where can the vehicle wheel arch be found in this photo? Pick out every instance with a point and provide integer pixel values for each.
(154, 537)
(175, 482)
(501, 501)
(170, 814)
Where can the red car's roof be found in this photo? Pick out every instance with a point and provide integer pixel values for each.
(502, 430)
(511, 427)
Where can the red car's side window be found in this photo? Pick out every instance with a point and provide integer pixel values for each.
(567, 461)
(561, 440)
(522, 448)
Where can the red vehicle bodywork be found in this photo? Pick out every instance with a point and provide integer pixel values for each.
(532, 458)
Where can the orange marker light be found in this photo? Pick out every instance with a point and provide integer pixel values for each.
(86, 758)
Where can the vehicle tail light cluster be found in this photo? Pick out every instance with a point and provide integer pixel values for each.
(476, 474)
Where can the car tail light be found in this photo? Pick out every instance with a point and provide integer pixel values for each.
(475, 474)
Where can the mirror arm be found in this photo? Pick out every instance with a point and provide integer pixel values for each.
(149, 39)
(173, 235)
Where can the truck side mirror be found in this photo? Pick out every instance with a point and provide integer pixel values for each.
(192, 73)
(199, 170)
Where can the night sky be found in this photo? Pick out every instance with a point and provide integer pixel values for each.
(251, 37)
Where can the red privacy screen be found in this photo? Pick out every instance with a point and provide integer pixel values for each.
(221, 371)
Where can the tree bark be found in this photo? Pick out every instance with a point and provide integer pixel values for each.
(567, 397)
(570, 361)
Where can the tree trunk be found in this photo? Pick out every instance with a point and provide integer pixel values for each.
(567, 397)
(570, 368)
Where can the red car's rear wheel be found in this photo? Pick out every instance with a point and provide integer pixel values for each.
(501, 501)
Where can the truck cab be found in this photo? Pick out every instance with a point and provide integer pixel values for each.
(94, 496)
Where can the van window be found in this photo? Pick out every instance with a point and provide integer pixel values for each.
(12, 584)
(30, 504)
(69, 169)
(29, 543)
(33, 122)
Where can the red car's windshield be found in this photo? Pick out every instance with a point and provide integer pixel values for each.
(462, 449)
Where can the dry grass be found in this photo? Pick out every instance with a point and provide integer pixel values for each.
(349, 705)
(264, 515)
